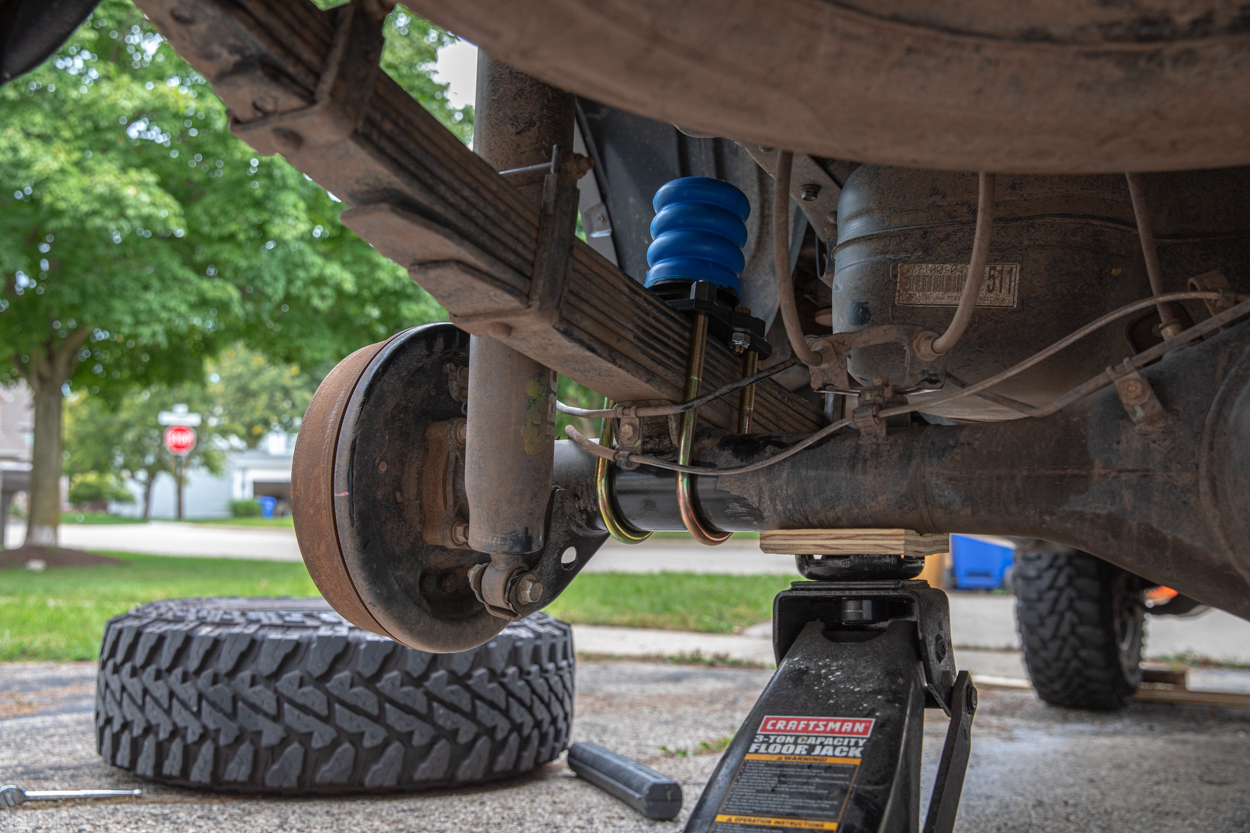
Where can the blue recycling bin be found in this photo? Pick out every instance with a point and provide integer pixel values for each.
(977, 564)
(267, 506)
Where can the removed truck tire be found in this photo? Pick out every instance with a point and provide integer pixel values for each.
(1081, 624)
(283, 696)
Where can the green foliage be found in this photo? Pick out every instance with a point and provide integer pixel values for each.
(252, 396)
(58, 615)
(246, 508)
(120, 435)
(95, 487)
(412, 46)
(138, 236)
(571, 393)
(130, 211)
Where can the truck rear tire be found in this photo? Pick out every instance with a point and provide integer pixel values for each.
(282, 696)
(1081, 623)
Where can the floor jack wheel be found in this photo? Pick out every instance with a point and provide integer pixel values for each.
(377, 490)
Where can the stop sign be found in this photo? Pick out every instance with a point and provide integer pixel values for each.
(179, 439)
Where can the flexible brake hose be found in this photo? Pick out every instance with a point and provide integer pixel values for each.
(781, 260)
(1170, 325)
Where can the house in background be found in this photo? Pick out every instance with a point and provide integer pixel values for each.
(16, 439)
(264, 471)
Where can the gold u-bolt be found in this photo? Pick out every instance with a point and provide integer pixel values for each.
(605, 480)
(704, 534)
(746, 400)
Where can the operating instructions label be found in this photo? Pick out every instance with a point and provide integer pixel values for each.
(797, 774)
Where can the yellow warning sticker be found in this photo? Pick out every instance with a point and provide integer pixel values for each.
(769, 821)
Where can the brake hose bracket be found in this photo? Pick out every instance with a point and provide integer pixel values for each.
(1136, 394)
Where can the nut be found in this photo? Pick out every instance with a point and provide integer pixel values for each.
(462, 432)
(740, 341)
(1132, 391)
(528, 589)
(459, 532)
(809, 192)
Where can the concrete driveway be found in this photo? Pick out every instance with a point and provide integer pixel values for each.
(1034, 768)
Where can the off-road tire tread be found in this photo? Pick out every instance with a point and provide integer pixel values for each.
(283, 696)
(1064, 608)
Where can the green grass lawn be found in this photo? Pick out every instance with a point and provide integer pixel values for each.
(671, 601)
(59, 614)
(286, 522)
(73, 517)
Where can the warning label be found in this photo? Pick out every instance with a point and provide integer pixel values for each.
(796, 774)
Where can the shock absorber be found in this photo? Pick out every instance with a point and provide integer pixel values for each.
(696, 257)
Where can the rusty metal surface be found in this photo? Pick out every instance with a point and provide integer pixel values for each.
(312, 489)
(511, 397)
(418, 592)
(1167, 500)
(1048, 87)
(381, 441)
(1065, 250)
(444, 502)
(427, 202)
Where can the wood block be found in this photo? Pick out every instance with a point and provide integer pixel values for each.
(852, 542)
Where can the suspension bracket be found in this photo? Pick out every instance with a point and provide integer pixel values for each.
(921, 374)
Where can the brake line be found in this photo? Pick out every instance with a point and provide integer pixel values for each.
(1088, 387)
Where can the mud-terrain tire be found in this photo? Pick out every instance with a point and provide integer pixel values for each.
(283, 696)
(1081, 623)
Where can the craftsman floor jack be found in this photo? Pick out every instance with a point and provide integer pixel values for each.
(834, 741)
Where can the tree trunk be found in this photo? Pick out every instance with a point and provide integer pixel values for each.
(47, 373)
(147, 495)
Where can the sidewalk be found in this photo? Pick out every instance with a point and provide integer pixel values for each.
(739, 556)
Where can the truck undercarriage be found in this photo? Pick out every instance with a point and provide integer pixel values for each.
(956, 312)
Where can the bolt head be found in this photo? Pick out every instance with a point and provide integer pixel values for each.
(459, 532)
(529, 589)
(628, 431)
(809, 192)
(462, 432)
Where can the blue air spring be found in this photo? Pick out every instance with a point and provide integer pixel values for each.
(698, 231)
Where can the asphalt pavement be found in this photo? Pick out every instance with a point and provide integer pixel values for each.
(1034, 768)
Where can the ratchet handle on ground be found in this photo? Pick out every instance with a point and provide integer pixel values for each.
(654, 795)
(12, 795)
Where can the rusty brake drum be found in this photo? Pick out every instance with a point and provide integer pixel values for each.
(377, 492)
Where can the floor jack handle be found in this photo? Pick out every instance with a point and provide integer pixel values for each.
(949, 784)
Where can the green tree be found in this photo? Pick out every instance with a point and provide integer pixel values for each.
(98, 490)
(121, 436)
(251, 396)
(138, 236)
